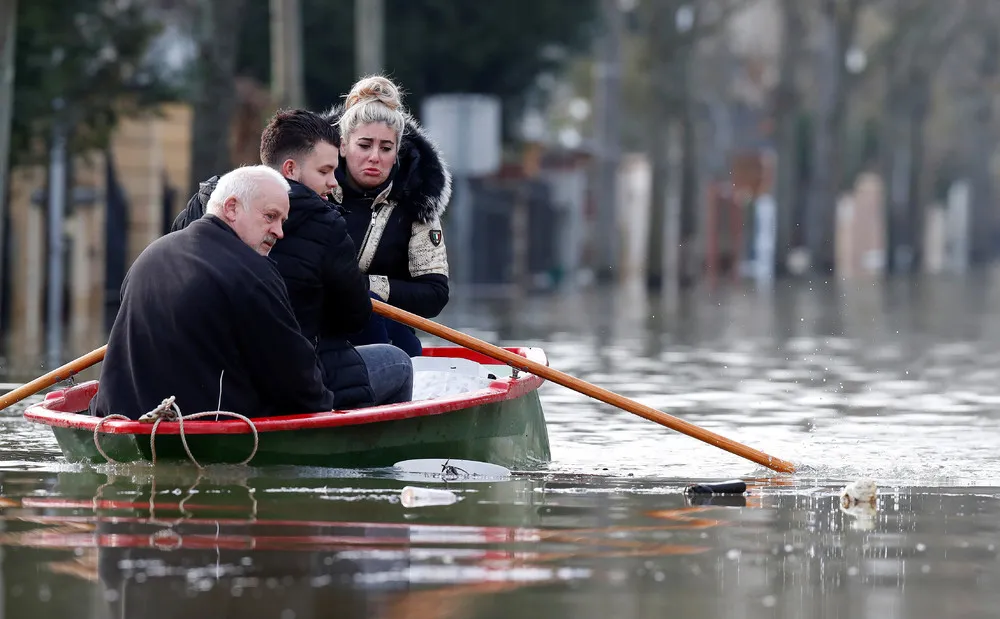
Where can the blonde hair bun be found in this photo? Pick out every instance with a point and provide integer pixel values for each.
(374, 88)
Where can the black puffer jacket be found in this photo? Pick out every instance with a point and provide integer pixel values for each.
(328, 292)
(397, 226)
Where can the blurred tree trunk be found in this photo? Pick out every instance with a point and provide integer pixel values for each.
(896, 164)
(982, 218)
(920, 106)
(659, 149)
(672, 38)
(920, 103)
(906, 116)
(607, 130)
(662, 44)
(214, 99)
(787, 105)
(659, 137)
(924, 32)
(690, 189)
(838, 19)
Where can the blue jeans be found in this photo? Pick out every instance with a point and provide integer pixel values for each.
(390, 372)
(381, 330)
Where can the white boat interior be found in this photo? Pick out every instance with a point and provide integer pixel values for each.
(434, 377)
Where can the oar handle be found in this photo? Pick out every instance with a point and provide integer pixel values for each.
(582, 386)
(53, 377)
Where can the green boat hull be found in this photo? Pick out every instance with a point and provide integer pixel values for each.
(510, 433)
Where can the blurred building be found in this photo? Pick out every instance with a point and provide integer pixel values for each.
(556, 238)
(118, 202)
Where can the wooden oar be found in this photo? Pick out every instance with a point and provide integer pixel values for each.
(582, 386)
(53, 377)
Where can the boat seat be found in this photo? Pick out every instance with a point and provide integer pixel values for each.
(434, 377)
(461, 366)
(447, 364)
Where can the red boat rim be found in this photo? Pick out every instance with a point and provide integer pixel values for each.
(63, 408)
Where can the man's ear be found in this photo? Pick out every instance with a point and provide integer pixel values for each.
(229, 208)
(289, 169)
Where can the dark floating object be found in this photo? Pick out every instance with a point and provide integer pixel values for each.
(726, 487)
(716, 500)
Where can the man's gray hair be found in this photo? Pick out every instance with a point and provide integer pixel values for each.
(244, 184)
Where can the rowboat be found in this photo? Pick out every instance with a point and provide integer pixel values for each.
(465, 406)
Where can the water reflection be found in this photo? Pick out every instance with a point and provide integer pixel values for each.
(229, 542)
(303, 545)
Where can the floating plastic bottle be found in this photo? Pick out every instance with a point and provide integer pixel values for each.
(412, 496)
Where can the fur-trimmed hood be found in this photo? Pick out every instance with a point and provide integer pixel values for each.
(422, 184)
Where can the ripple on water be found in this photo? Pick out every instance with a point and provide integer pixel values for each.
(864, 409)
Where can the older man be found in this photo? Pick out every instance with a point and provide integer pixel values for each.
(205, 315)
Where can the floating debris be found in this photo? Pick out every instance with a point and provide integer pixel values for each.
(737, 486)
(857, 500)
(859, 492)
(412, 496)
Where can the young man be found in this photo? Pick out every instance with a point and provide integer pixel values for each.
(318, 261)
(205, 316)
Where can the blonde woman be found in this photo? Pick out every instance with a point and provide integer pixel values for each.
(393, 190)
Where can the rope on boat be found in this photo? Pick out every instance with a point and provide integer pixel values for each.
(169, 411)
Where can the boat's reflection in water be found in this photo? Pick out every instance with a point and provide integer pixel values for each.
(232, 540)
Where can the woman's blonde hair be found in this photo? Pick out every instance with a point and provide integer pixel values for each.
(373, 99)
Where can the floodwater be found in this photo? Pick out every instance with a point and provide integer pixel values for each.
(895, 382)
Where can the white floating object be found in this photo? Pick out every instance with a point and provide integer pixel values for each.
(451, 469)
(861, 492)
(857, 500)
(412, 496)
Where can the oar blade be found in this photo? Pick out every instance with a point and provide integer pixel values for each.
(451, 469)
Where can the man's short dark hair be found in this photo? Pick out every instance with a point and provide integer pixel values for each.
(291, 134)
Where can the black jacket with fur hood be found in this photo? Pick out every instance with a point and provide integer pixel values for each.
(397, 226)
(327, 291)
